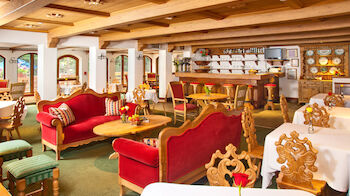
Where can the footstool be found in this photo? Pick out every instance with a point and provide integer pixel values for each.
(31, 170)
(14, 149)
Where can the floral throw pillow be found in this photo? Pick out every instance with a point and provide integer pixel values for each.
(113, 107)
(154, 142)
(64, 113)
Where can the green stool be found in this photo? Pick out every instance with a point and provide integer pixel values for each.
(31, 170)
(14, 149)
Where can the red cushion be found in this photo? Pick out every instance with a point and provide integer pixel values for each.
(188, 106)
(215, 132)
(177, 90)
(3, 84)
(250, 86)
(270, 85)
(194, 83)
(210, 84)
(230, 85)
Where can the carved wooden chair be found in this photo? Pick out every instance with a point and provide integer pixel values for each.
(15, 120)
(255, 151)
(5, 96)
(319, 116)
(139, 97)
(37, 96)
(300, 156)
(239, 100)
(178, 95)
(17, 90)
(284, 109)
(221, 167)
(336, 100)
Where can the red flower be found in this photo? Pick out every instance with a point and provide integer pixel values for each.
(201, 51)
(241, 179)
(330, 93)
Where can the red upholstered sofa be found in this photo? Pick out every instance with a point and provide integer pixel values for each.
(182, 151)
(89, 111)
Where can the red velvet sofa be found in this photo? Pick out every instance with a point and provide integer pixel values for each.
(182, 152)
(89, 111)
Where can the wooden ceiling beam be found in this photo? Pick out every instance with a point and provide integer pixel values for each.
(19, 46)
(23, 29)
(139, 14)
(15, 9)
(158, 1)
(119, 30)
(160, 24)
(78, 10)
(334, 23)
(290, 36)
(52, 42)
(328, 10)
(212, 15)
(295, 4)
(46, 21)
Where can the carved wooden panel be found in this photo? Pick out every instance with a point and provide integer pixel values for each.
(336, 100)
(319, 116)
(18, 112)
(284, 108)
(300, 156)
(229, 163)
(5, 96)
(248, 125)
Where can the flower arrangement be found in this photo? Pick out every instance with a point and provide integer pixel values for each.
(204, 52)
(123, 112)
(135, 119)
(207, 90)
(241, 180)
(144, 86)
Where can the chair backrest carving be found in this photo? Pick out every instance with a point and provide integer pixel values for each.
(18, 112)
(248, 125)
(17, 90)
(319, 116)
(241, 92)
(139, 96)
(230, 162)
(5, 96)
(300, 156)
(284, 108)
(336, 100)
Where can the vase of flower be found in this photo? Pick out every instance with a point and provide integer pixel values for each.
(310, 129)
(123, 112)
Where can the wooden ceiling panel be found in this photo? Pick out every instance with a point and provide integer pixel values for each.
(67, 15)
(38, 25)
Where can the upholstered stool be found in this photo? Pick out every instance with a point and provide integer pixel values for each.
(31, 170)
(209, 86)
(14, 149)
(194, 85)
(270, 88)
(247, 101)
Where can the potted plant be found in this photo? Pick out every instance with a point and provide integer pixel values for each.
(204, 53)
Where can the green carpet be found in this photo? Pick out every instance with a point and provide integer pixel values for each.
(86, 170)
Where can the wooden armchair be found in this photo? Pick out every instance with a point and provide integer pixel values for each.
(319, 116)
(284, 109)
(217, 171)
(300, 156)
(336, 100)
(178, 95)
(254, 149)
(15, 120)
(139, 97)
(17, 90)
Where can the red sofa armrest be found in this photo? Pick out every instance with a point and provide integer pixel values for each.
(138, 151)
(47, 119)
(132, 108)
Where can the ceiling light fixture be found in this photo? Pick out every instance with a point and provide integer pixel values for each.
(54, 15)
(169, 17)
(93, 2)
(30, 26)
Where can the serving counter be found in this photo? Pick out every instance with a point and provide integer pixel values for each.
(256, 80)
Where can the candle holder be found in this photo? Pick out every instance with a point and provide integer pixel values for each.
(311, 129)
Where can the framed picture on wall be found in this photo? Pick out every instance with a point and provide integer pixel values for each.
(292, 53)
(294, 63)
(292, 74)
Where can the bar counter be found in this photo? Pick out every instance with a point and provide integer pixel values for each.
(256, 80)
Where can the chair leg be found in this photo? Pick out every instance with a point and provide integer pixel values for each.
(55, 185)
(185, 116)
(164, 109)
(58, 155)
(21, 187)
(29, 153)
(8, 137)
(19, 136)
(1, 162)
(43, 147)
(121, 187)
(45, 186)
(11, 183)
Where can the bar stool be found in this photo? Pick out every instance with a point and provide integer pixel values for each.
(247, 101)
(194, 85)
(209, 86)
(31, 170)
(270, 88)
(14, 149)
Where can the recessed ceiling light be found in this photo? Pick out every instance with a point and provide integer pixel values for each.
(283, 0)
(93, 2)
(92, 32)
(30, 26)
(169, 17)
(54, 15)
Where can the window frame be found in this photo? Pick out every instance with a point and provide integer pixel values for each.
(4, 67)
(144, 66)
(76, 67)
(31, 72)
(123, 56)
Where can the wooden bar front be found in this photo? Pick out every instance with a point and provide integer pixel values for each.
(256, 80)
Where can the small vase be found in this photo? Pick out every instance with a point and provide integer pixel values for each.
(123, 117)
(310, 129)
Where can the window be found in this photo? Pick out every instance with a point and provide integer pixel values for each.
(121, 69)
(2, 67)
(147, 65)
(68, 68)
(27, 69)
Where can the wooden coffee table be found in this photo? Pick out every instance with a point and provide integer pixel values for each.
(119, 129)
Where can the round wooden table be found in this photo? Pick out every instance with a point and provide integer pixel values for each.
(202, 98)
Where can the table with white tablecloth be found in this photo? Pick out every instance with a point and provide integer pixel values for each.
(150, 95)
(320, 97)
(339, 117)
(171, 189)
(7, 107)
(333, 157)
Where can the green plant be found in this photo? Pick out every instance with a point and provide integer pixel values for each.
(204, 52)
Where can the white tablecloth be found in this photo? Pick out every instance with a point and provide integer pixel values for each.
(319, 100)
(333, 158)
(6, 109)
(339, 117)
(150, 95)
(170, 189)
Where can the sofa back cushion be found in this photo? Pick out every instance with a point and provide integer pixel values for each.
(83, 106)
(194, 148)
